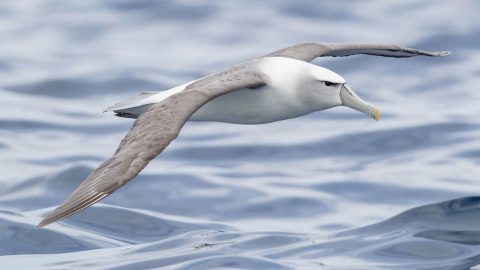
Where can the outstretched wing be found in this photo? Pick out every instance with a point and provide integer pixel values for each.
(309, 51)
(151, 133)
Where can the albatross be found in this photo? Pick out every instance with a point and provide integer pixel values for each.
(277, 86)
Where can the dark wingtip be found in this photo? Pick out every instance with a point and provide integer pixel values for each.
(49, 219)
(43, 223)
(72, 206)
(442, 53)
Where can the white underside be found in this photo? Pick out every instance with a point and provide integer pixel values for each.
(279, 100)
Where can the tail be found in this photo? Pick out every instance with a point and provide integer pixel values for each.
(133, 106)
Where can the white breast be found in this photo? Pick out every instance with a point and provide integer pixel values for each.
(279, 100)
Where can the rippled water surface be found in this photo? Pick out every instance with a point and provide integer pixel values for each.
(331, 190)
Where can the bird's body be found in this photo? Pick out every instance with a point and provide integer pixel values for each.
(280, 85)
(287, 95)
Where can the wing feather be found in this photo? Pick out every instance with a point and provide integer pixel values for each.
(151, 133)
(309, 51)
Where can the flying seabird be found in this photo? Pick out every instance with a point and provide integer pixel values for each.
(280, 85)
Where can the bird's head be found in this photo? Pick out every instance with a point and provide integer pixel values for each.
(328, 89)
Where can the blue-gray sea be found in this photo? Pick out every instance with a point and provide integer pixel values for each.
(330, 190)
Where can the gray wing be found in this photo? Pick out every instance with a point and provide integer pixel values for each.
(309, 51)
(151, 133)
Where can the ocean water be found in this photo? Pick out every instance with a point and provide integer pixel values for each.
(331, 190)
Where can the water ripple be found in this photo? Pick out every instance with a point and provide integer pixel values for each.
(331, 190)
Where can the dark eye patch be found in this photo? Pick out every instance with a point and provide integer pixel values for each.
(328, 83)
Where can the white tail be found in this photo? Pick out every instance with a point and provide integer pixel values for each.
(133, 106)
(136, 105)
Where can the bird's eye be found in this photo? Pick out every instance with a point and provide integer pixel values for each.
(328, 83)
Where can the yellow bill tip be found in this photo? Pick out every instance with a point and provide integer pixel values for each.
(377, 114)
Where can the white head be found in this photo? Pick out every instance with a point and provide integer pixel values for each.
(326, 89)
(312, 88)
